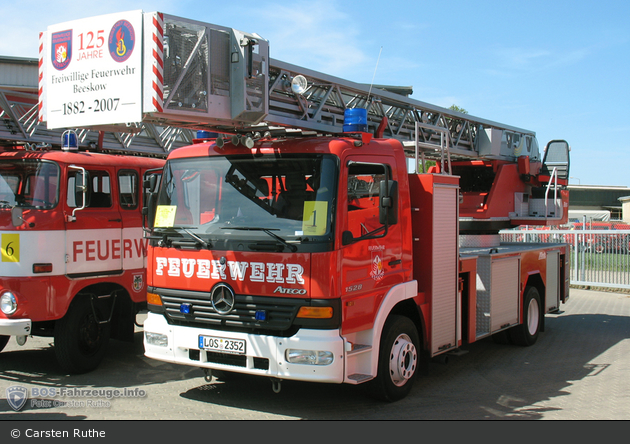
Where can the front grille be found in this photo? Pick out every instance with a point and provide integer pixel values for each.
(279, 312)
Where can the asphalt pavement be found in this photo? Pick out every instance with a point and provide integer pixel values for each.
(578, 370)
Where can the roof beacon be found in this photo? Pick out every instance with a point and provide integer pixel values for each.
(355, 120)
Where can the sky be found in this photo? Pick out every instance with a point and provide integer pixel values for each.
(560, 68)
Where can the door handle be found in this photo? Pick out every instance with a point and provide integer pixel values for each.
(115, 220)
(394, 262)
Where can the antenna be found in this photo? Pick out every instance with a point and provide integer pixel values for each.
(375, 68)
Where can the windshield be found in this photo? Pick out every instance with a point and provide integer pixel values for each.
(29, 183)
(263, 202)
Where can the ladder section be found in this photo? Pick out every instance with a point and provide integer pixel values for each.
(202, 76)
(223, 80)
(320, 106)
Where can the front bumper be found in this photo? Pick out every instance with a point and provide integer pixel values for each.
(265, 355)
(15, 327)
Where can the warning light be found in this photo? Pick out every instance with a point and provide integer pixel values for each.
(69, 141)
(355, 120)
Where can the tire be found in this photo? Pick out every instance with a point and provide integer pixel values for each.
(600, 248)
(80, 341)
(3, 341)
(526, 334)
(398, 361)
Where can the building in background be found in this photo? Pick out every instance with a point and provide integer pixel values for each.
(597, 202)
(625, 208)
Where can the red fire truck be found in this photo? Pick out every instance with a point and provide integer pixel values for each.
(73, 253)
(322, 259)
(305, 239)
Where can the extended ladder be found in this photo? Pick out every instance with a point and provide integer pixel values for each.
(202, 76)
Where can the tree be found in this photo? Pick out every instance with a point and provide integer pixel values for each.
(458, 109)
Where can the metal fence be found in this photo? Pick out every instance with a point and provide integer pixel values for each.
(599, 258)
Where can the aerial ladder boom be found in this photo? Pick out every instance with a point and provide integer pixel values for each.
(201, 76)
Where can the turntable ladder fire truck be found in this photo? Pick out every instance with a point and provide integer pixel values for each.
(303, 236)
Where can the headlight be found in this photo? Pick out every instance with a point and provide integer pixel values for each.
(8, 303)
(157, 339)
(312, 357)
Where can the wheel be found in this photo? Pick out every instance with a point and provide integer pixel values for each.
(80, 341)
(3, 341)
(398, 359)
(600, 248)
(527, 333)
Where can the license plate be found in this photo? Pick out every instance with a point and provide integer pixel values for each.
(224, 345)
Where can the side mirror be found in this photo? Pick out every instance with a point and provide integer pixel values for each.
(81, 181)
(16, 216)
(347, 238)
(388, 198)
(150, 209)
(150, 183)
(80, 190)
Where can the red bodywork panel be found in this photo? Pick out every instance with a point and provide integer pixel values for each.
(44, 297)
(489, 187)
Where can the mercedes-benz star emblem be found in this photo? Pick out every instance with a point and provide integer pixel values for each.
(222, 298)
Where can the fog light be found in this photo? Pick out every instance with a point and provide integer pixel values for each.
(8, 303)
(309, 357)
(156, 339)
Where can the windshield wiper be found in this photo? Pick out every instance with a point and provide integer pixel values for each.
(165, 240)
(268, 231)
(199, 240)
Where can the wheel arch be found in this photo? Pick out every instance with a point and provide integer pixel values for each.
(399, 300)
(410, 309)
(123, 311)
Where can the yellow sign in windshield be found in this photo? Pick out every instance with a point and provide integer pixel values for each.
(314, 219)
(165, 216)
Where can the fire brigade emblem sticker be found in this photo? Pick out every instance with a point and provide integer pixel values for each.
(122, 40)
(377, 272)
(61, 46)
(138, 283)
(17, 396)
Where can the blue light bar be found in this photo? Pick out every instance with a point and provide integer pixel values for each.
(355, 120)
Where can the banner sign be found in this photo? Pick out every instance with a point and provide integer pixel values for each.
(94, 71)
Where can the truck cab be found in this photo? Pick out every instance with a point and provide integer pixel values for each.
(73, 253)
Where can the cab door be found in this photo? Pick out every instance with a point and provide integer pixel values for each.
(372, 250)
(94, 238)
(128, 193)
